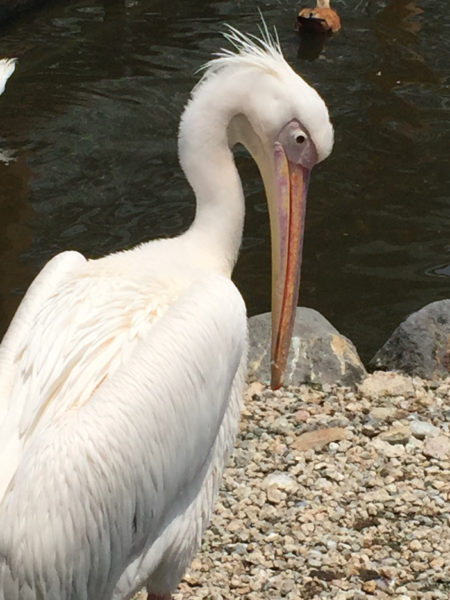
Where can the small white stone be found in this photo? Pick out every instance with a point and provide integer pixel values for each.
(422, 429)
(380, 384)
(383, 413)
(282, 481)
(437, 447)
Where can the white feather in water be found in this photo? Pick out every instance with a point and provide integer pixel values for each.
(7, 66)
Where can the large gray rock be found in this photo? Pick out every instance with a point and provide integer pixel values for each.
(420, 345)
(318, 354)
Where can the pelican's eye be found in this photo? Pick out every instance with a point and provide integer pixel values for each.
(297, 144)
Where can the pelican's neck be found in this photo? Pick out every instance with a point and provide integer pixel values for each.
(208, 164)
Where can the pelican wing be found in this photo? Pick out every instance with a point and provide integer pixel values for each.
(104, 479)
(77, 323)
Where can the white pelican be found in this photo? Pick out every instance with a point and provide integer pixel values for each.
(121, 377)
(7, 66)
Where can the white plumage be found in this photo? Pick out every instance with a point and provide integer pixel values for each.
(7, 66)
(121, 378)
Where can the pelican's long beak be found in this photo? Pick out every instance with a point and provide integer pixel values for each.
(287, 222)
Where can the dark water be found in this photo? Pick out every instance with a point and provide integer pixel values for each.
(91, 116)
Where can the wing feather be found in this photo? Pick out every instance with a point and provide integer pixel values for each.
(90, 326)
(50, 277)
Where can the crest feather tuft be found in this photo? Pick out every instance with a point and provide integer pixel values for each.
(263, 52)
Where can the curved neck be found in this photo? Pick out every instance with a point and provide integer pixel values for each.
(208, 164)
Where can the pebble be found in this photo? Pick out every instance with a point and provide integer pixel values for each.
(383, 384)
(369, 586)
(387, 449)
(415, 545)
(281, 481)
(397, 435)
(422, 429)
(301, 416)
(383, 413)
(437, 447)
(319, 438)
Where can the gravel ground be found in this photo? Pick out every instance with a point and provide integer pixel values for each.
(333, 493)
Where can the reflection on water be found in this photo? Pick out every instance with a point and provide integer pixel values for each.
(401, 17)
(311, 44)
(91, 115)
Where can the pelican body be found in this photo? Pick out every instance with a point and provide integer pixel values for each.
(7, 66)
(321, 19)
(121, 378)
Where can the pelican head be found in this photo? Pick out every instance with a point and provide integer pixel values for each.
(284, 124)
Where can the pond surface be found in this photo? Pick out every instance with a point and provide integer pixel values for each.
(91, 115)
